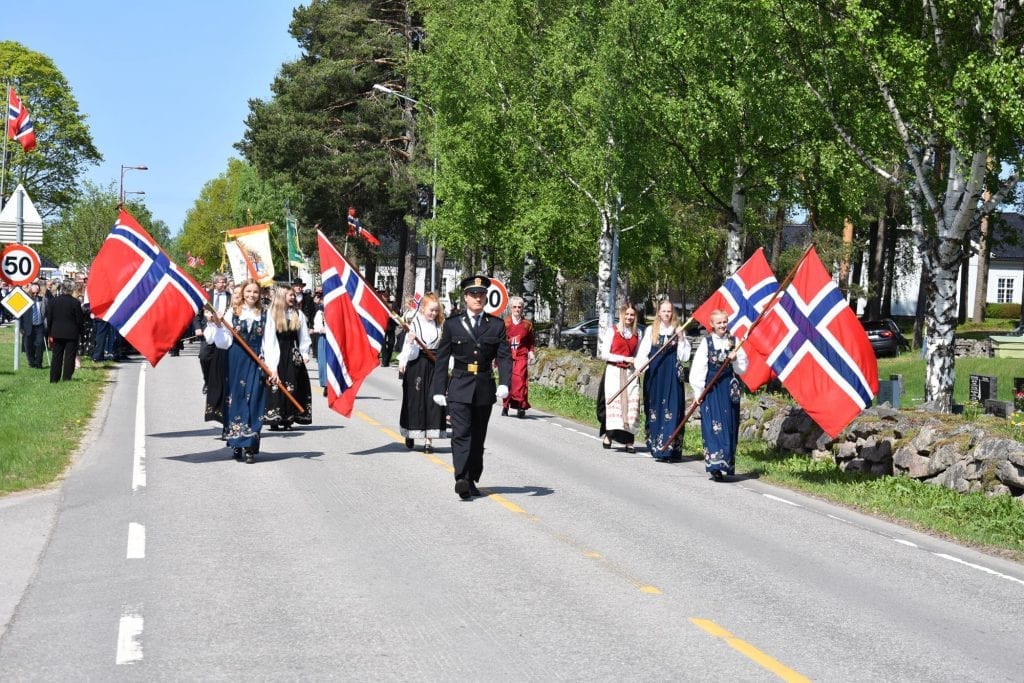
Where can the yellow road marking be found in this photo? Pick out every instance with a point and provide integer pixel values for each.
(512, 507)
(749, 651)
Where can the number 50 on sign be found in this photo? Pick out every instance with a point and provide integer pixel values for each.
(19, 264)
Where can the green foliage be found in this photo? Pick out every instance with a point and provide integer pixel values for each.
(64, 148)
(78, 233)
(35, 457)
(327, 131)
(1003, 311)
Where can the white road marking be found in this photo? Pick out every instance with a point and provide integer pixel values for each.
(993, 572)
(129, 637)
(903, 542)
(139, 457)
(782, 500)
(136, 541)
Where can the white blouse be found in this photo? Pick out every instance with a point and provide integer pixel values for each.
(427, 331)
(222, 338)
(699, 367)
(646, 342)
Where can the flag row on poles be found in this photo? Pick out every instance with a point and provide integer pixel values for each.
(805, 334)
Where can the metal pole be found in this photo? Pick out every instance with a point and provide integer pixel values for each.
(19, 222)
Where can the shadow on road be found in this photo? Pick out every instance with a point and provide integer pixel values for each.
(526, 490)
(225, 453)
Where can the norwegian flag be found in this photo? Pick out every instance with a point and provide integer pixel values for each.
(355, 228)
(135, 287)
(414, 302)
(354, 323)
(743, 296)
(815, 344)
(19, 123)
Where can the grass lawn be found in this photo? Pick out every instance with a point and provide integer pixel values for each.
(992, 524)
(43, 423)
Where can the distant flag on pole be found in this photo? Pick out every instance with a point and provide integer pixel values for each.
(135, 287)
(19, 123)
(743, 296)
(355, 320)
(355, 228)
(295, 256)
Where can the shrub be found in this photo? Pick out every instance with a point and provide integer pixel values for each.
(1007, 311)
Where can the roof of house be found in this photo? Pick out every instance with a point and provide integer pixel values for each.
(1008, 236)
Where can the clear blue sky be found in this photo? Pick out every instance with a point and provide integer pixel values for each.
(162, 84)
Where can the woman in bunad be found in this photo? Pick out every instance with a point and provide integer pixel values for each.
(664, 393)
(294, 343)
(617, 348)
(519, 332)
(720, 409)
(421, 418)
(245, 398)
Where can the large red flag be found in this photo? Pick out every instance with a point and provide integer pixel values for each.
(743, 296)
(815, 344)
(135, 287)
(19, 123)
(355, 320)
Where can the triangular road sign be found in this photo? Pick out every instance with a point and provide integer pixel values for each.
(33, 222)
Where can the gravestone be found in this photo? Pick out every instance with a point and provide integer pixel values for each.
(982, 388)
(1000, 408)
(898, 379)
(888, 392)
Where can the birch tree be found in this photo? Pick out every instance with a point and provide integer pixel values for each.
(933, 88)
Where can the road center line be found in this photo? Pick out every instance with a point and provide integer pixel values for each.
(139, 454)
(129, 637)
(136, 541)
(749, 651)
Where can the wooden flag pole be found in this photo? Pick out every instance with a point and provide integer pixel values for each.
(219, 321)
(639, 371)
(728, 361)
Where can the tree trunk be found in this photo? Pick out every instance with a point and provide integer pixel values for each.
(529, 287)
(981, 277)
(844, 264)
(409, 261)
(403, 242)
(888, 271)
(604, 270)
(965, 271)
(734, 237)
(559, 317)
(780, 225)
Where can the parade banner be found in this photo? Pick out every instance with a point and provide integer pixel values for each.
(295, 256)
(254, 243)
(241, 267)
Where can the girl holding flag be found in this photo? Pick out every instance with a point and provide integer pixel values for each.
(246, 391)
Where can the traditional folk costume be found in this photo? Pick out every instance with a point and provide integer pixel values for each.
(245, 388)
(720, 409)
(420, 418)
(664, 394)
(521, 341)
(294, 345)
(618, 418)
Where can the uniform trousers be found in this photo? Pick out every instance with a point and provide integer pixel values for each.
(469, 429)
(62, 364)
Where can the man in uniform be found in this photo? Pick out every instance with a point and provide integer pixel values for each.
(473, 340)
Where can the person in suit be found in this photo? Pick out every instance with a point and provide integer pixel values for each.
(473, 341)
(220, 299)
(33, 326)
(64, 323)
(304, 300)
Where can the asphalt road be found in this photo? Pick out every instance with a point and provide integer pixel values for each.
(339, 554)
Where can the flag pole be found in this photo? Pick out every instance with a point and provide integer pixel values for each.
(643, 366)
(771, 302)
(220, 322)
(3, 166)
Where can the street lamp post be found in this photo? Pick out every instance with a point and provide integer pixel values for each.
(120, 191)
(433, 193)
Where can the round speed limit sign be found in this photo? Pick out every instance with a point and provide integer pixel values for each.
(497, 298)
(19, 264)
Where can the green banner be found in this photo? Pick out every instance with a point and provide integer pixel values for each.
(295, 256)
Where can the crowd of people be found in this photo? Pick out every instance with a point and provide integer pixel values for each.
(255, 345)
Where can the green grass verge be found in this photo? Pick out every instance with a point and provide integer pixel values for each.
(912, 367)
(43, 423)
(993, 524)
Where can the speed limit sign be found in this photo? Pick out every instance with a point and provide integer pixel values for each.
(19, 264)
(497, 298)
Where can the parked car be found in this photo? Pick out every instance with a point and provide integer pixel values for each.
(581, 334)
(885, 337)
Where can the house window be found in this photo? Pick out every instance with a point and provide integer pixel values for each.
(1004, 290)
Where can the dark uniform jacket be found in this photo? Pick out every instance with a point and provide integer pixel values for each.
(64, 318)
(474, 353)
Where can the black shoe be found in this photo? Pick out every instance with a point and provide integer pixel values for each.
(631, 448)
(462, 488)
(238, 454)
(474, 491)
(718, 475)
(521, 413)
(410, 444)
(606, 443)
(504, 412)
(427, 448)
(250, 457)
(274, 428)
